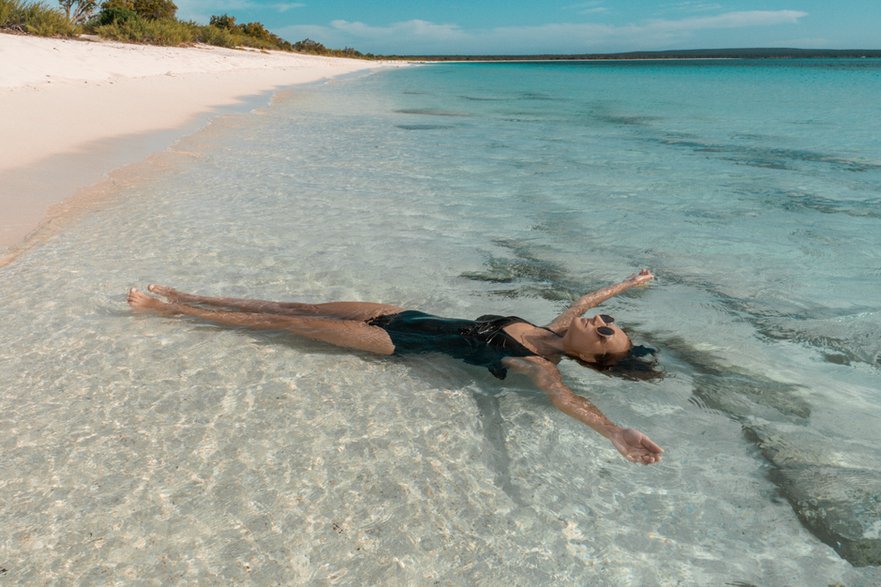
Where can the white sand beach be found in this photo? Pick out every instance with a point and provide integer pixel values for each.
(75, 110)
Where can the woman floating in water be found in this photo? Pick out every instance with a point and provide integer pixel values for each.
(496, 342)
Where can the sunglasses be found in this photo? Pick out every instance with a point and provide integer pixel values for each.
(605, 330)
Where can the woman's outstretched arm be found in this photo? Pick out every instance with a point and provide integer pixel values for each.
(587, 301)
(635, 446)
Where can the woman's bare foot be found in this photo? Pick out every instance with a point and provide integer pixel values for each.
(140, 301)
(171, 294)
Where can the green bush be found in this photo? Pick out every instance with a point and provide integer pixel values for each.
(316, 48)
(153, 32)
(224, 21)
(310, 46)
(47, 22)
(251, 34)
(212, 35)
(8, 10)
(35, 18)
(113, 14)
(155, 9)
(116, 11)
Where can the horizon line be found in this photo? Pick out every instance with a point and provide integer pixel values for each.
(765, 52)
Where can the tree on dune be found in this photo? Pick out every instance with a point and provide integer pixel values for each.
(78, 11)
(149, 9)
(155, 9)
(224, 21)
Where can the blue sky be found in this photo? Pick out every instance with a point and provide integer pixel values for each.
(552, 26)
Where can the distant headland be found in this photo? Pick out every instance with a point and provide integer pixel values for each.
(751, 53)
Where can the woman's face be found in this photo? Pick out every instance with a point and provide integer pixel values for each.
(590, 338)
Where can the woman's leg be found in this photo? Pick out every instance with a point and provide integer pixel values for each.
(352, 334)
(341, 310)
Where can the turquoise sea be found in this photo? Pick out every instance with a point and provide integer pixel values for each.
(146, 450)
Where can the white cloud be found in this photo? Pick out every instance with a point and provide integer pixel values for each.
(420, 36)
(693, 6)
(590, 7)
(410, 29)
(655, 33)
(409, 36)
(729, 20)
(286, 6)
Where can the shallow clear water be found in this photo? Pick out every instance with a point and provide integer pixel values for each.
(153, 449)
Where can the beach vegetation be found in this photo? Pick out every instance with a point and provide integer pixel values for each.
(251, 34)
(113, 14)
(148, 9)
(315, 48)
(216, 36)
(151, 22)
(35, 18)
(224, 21)
(128, 27)
(310, 46)
(155, 9)
(113, 11)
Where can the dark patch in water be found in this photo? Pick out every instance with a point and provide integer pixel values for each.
(530, 275)
(837, 504)
(431, 112)
(738, 393)
(756, 155)
(483, 99)
(425, 126)
(827, 329)
(798, 201)
(536, 96)
(856, 344)
(522, 119)
(626, 119)
(766, 157)
(836, 359)
(820, 495)
(747, 136)
(496, 456)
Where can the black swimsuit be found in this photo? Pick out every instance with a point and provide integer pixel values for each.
(477, 342)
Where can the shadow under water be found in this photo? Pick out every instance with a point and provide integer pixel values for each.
(837, 503)
(842, 342)
(528, 274)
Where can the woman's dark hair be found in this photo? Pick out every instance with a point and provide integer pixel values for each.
(638, 362)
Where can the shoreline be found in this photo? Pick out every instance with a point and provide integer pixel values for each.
(80, 110)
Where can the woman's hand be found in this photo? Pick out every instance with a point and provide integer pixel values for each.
(636, 446)
(644, 276)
